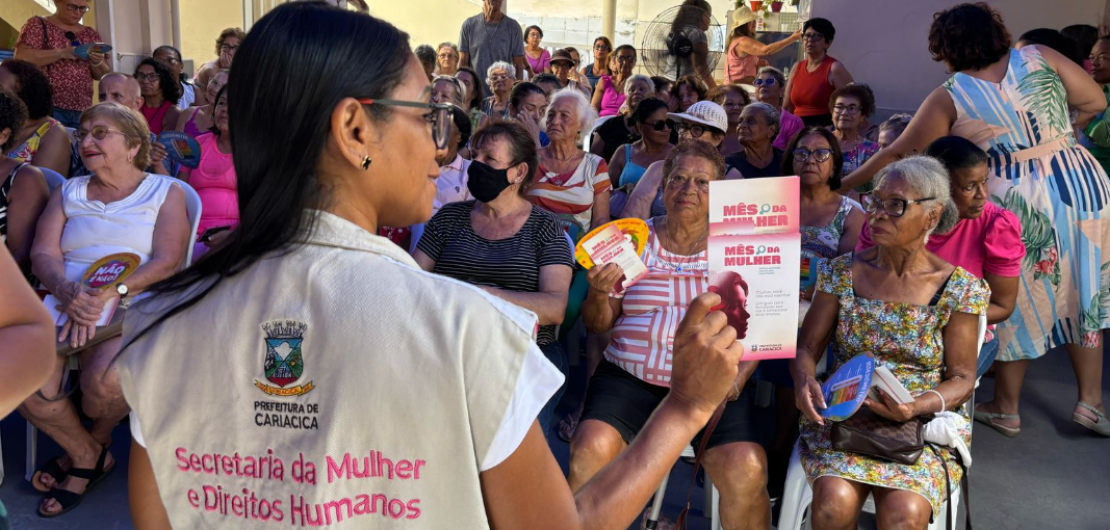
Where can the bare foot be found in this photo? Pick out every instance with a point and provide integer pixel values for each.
(74, 484)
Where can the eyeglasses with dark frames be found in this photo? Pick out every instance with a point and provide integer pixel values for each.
(439, 119)
(893, 207)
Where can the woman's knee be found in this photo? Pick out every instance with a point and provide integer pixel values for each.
(595, 441)
(836, 503)
(743, 464)
(903, 510)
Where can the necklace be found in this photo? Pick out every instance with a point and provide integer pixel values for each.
(547, 152)
(679, 267)
(488, 36)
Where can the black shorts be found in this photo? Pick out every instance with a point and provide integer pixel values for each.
(619, 399)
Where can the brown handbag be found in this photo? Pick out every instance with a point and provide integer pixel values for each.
(868, 433)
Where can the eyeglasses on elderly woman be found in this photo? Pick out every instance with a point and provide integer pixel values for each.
(439, 117)
(893, 207)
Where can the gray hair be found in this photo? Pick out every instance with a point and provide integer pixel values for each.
(780, 78)
(447, 45)
(586, 113)
(638, 77)
(460, 89)
(927, 177)
(770, 115)
(501, 65)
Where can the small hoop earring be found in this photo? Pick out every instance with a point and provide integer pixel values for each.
(366, 163)
(129, 158)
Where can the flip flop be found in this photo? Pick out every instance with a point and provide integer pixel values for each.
(988, 418)
(52, 468)
(1101, 425)
(70, 500)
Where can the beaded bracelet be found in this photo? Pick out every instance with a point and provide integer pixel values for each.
(943, 405)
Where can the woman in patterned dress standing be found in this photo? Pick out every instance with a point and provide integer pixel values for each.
(1014, 105)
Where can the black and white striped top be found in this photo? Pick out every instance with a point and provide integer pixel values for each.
(512, 264)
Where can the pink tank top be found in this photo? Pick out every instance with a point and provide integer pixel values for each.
(611, 101)
(154, 116)
(736, 67)
(216, 185)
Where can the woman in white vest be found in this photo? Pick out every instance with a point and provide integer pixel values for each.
(308, 372)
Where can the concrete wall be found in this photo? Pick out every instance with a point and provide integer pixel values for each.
(202, 21)
(888, 48)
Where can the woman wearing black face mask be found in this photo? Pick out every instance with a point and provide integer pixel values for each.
(501, 242)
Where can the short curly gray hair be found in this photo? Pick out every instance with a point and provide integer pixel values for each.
(501, 65)
(927, 177)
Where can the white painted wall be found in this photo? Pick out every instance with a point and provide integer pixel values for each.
(885, 43)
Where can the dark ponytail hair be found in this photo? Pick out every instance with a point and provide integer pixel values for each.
(277, 152)
(956, 153)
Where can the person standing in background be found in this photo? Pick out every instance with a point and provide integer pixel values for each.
(537, 58)
(447, 59)
(51, 43)
(491, 37)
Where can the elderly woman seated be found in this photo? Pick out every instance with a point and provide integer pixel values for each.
(503, 243)
(571, 183)
(917, 315)
(119, 208)
(635, 375)
(770, 86)
(23, 191)
(986, 241)
(500, 76)
(758, 128)
(620, 130)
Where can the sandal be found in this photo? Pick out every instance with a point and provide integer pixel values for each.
(566, 428)
(1101, 425)
(988, 418)
(52, 468)
(70, 500)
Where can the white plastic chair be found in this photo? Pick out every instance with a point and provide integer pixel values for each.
(798, 494)
(53, 178)
(587, 139)
(712, 497)
(192, 209)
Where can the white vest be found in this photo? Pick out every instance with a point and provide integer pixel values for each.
(337, 384)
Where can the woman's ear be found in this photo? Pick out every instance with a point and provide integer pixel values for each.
(517, 172)
(351, 130)
(5, 135)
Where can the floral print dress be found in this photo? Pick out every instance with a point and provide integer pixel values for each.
(907, 339)
(1059, 192)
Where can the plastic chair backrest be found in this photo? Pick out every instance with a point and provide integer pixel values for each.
(192, 208)
(53, 178)
(587, 139)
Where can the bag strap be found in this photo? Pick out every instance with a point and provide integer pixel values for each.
(948, 491)
(680, 523)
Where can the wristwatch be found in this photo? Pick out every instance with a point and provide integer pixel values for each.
(122, 290)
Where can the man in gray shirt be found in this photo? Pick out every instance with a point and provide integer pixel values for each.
(491, 37)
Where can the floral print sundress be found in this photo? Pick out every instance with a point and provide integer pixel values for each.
(907, 339)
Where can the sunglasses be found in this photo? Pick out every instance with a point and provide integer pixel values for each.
(661, 125)
(439, 119)
(764, 82)
(820, 155)
(99, 132)
(71, 37)
(892, 207)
